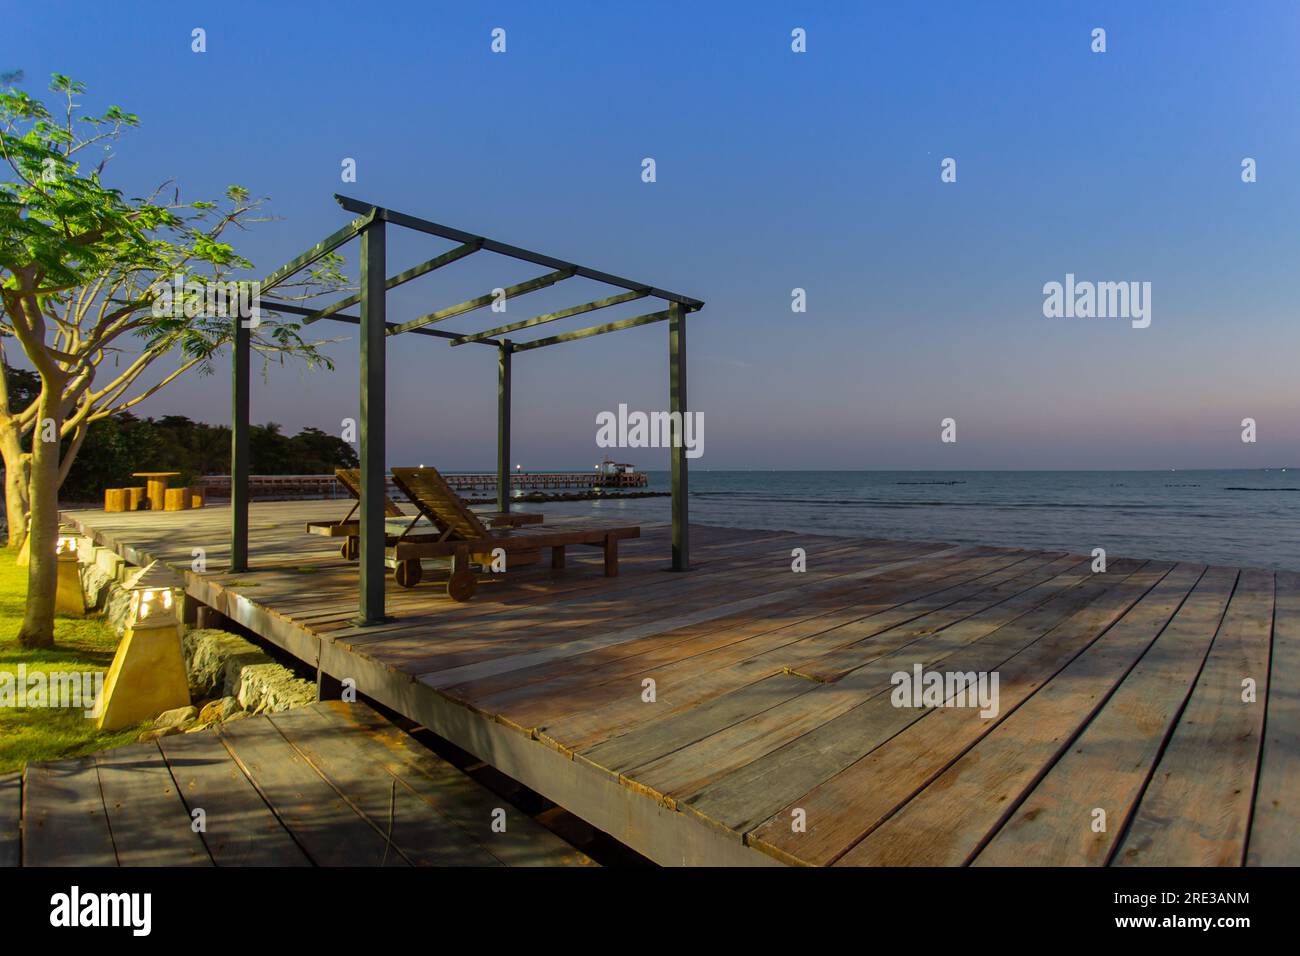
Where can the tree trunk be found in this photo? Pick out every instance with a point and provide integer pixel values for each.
(42, 577)
(18, 468)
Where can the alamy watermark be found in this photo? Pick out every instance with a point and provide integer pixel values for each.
(921, 688)
(1098, 300)
(190, 298)
(133, 911)
(70, 689)
(624, 429)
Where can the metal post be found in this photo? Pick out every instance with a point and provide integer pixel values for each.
(503, 425)
(240, 363)
(677, 454)
(373, 411)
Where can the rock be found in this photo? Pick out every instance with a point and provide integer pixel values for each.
(238, 715)
(97, 584)
(215, 659)
(109, 563)
(157, 732)
(218, 710)
(179, 717)
(117, 607)
(268, 688)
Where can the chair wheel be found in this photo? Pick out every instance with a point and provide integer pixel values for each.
(408, 573)
(351, 549)
(461, 586)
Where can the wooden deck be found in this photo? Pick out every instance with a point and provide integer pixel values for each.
(330, 785)
(1127, 731)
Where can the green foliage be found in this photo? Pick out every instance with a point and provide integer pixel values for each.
(117, 446)
(68, 225)
(83, 267)
(310, 452)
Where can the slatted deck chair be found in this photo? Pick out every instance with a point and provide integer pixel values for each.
(349, 528)
(467, 540)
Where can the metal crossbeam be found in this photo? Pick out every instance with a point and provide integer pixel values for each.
(522, 288)
(594, 330)
(318, 251)
(355, 320)
(424, 268)
(552, 316)
(515, 252)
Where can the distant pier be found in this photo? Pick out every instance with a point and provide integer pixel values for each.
(326, 486)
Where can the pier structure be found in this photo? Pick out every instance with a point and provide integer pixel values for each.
(326, 486)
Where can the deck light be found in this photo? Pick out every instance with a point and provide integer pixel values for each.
(69, 598)
(147, 675)
(149, 602)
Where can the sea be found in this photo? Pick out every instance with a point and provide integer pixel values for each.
(1241, 518)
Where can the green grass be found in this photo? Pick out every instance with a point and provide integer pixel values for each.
(29, 734)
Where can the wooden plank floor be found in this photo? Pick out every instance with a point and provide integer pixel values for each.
(743, 712)
(333, 784)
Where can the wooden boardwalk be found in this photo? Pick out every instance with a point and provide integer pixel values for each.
(329, 785)
(1146, 715)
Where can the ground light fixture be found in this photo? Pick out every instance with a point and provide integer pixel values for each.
(69, 598)
(147, 675)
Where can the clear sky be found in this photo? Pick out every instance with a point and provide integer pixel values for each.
(775, 170)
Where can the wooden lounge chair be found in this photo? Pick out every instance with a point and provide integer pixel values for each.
(349, 528)
(466, 539)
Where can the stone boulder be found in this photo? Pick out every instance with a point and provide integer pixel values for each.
(180, 717)
(97, 585)
(117, 608)
(268, 688)
(218, 710)
(215, 659)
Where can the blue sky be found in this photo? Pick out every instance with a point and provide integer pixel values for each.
(775, 170)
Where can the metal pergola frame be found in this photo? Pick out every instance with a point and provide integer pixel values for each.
(371, 225)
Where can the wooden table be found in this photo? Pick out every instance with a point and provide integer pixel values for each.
(156, 482)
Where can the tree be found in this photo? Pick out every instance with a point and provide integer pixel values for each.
(318, 453)
(19, 389)
(87, 274)
(114, 447)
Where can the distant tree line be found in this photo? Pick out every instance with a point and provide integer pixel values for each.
(121, 444)
(116, 446)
